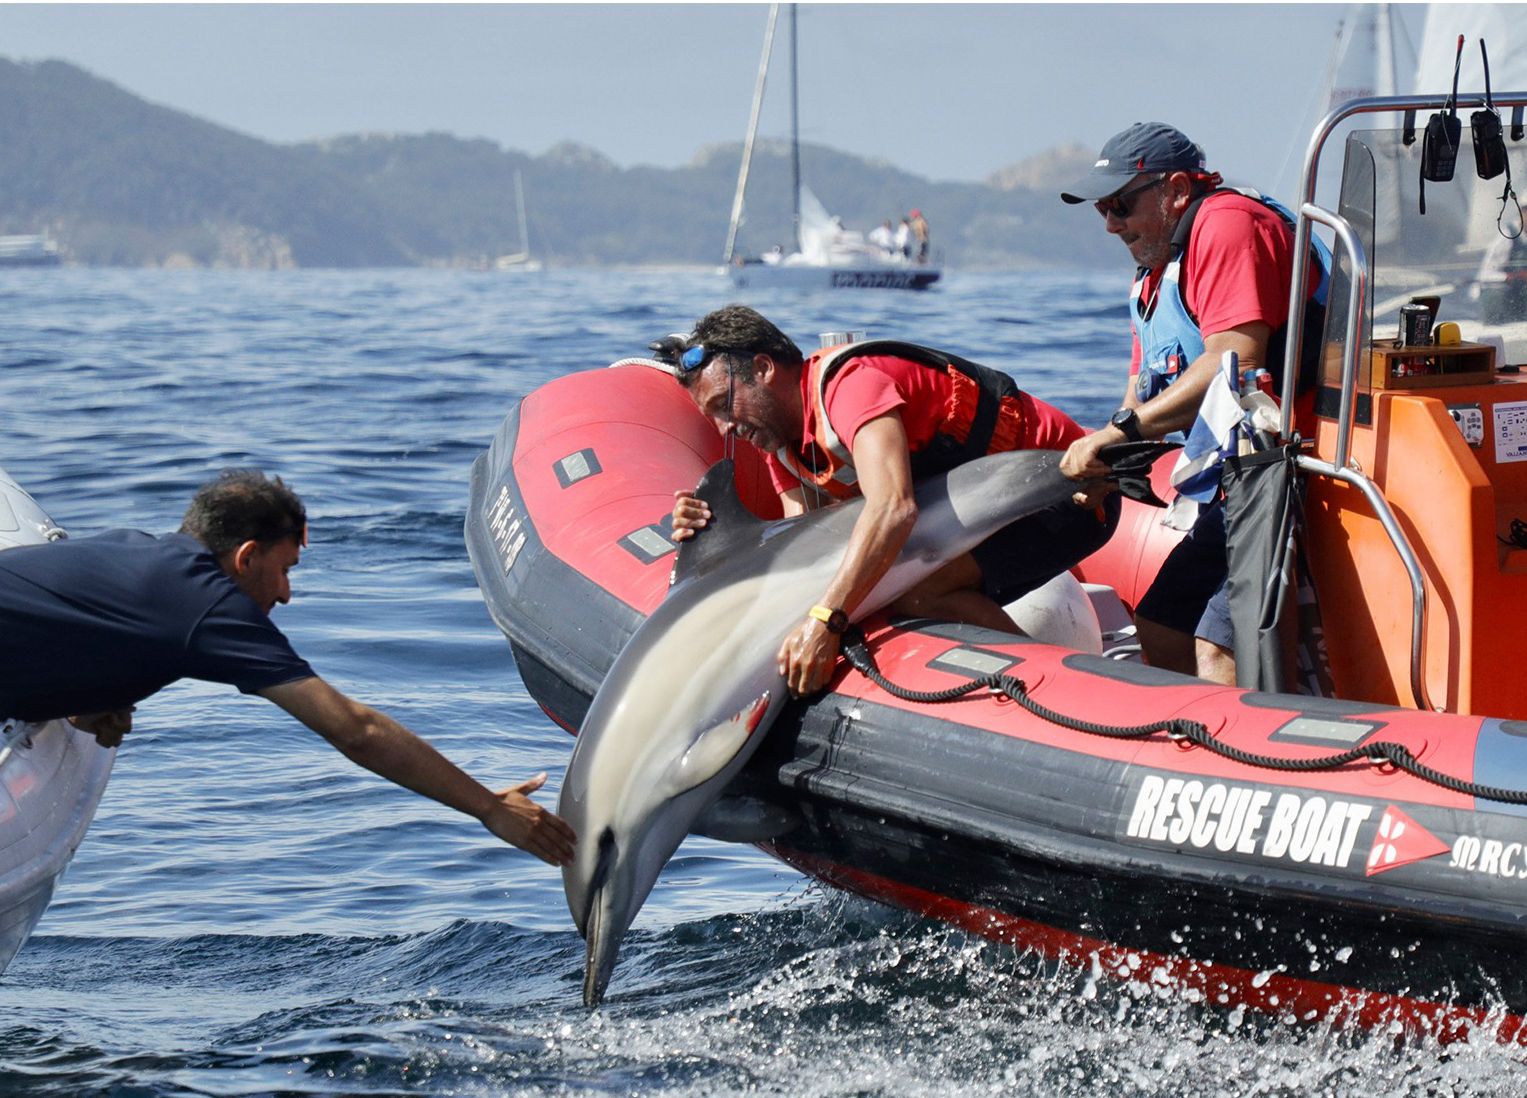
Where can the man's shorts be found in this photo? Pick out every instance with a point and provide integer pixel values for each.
(1034, 550)
(1189, 593)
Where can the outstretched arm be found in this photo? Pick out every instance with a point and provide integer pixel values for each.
(882, 459)
(375, 741)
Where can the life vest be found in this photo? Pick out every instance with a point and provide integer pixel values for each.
(983, 416)
(1169, 336)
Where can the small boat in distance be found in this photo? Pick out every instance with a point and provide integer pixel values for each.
(520, 260)
(29, 250)
(826, 255)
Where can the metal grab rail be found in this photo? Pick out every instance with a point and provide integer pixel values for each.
(1299, 287)
(1352, 356)
(1357, 293)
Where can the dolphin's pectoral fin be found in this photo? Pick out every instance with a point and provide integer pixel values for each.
(1130, 467)
(715, 748)
(731, 524)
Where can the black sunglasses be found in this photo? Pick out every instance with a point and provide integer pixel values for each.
(1122, 204)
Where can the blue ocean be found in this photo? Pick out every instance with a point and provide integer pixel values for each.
(252, 915)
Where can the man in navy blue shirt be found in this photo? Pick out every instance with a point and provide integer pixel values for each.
(94, 625)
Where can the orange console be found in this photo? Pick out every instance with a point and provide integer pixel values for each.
(1450, 457)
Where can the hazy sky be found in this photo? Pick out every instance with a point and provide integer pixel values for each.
(951, 92)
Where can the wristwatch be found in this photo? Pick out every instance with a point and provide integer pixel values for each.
(835, 620)
(1126, 420)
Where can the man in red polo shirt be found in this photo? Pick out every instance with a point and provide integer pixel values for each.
(869, 419)
(1213, 269)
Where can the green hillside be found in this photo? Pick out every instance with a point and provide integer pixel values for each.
(119, 181)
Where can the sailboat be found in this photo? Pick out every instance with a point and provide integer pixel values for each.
(825, 254)
(520, 260)
(1375, 56)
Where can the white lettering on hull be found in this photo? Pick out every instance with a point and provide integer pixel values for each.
(1188, 813)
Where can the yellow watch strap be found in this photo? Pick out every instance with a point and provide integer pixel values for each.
(822, 613)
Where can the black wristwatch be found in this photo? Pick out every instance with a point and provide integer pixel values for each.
(1126, 420)
(835, 620)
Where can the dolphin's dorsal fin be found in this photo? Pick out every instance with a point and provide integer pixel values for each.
(732, 526)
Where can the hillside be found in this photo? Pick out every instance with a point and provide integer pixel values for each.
(119, 181)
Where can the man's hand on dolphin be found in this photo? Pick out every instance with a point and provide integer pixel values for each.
(807, 657)
(689, 514)
(518, 820)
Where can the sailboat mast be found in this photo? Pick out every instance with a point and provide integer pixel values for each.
(747, 146)
(1385, 61)
(795, 136)
(519, 202)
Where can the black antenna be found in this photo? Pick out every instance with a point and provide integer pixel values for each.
(1451, 106)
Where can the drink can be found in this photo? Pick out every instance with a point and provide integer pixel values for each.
(1415, 325)
(837, 339)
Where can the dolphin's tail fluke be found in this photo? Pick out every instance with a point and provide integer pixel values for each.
(1130, 467)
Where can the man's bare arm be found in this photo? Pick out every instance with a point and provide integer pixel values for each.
(375, 741)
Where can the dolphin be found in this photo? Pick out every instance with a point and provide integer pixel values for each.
(690, 696)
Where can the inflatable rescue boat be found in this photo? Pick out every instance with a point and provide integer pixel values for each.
(1358, 856)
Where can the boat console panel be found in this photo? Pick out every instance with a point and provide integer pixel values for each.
(1440, 430)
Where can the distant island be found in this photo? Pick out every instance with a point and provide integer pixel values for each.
(117, 181)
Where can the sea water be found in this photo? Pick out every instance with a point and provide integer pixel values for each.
(252, 915)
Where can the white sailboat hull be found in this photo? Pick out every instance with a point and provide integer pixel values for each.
(763, 276)
(50, 783)
(52, 776)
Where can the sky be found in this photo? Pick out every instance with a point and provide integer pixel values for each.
(951, 92)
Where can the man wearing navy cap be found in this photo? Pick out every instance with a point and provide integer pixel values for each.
(1214, 265)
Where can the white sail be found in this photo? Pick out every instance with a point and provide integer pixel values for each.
(1372, 55)
(1500, 25)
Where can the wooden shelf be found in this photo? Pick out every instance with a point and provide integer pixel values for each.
(1391, 366)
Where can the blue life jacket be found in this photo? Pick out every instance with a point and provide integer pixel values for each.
(1169, 336)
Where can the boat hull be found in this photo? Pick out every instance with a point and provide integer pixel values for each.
(1335, 890)
(51, 780)
(764, 276)
(52, 776)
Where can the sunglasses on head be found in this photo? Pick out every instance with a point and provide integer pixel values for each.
(1122, 204)
(698, 356)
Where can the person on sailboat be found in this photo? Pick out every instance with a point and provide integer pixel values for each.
(883, 238)
(919, 226)
(867, 419)
(1214, 265)
(95, 625)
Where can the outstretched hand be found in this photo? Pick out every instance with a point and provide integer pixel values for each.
(107, 728)
(521, 822)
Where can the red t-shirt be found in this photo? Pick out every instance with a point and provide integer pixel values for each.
(864, 388)
(1239, 265)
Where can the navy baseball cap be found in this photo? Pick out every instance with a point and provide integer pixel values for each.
(1143, 147)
